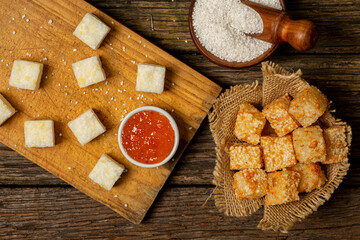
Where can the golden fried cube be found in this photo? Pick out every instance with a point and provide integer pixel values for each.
(311, 176)
(308, 105)
(336, 145)
(277, 114)
(244, 156)
(250, 183)
(249, 124)
(282, 187)
(309, 144)
(278, 152)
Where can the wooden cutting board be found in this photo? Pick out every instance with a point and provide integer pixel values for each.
(41, 30)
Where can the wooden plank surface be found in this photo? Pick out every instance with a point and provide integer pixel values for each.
(179, 214)
(188, 97)
(333, 66)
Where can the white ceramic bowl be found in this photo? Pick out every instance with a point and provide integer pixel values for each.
(173, 124)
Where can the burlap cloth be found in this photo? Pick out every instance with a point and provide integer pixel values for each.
(276, 82)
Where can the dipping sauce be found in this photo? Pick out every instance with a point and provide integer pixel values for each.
(148, 137)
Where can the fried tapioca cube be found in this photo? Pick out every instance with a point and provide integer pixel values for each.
(311, 176)
(336, 145)
(277, 113)
(309, 144)
(244, 156)
(250, 183)
(278, 152)
(282, 187)
(249, 124)
(308, 105)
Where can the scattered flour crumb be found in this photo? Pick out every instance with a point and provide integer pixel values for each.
(50, 21)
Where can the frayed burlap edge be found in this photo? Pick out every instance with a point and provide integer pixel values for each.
(277, 81)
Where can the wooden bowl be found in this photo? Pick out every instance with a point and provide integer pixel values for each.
(220, 61)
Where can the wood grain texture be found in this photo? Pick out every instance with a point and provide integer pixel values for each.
(178, 214)
(31, 208)
(337, 22)
(188, 97)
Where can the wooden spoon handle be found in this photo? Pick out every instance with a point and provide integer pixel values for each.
(301, 34)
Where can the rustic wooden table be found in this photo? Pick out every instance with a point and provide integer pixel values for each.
(35, 204)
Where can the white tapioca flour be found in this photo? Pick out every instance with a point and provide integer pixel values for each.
(220, 26)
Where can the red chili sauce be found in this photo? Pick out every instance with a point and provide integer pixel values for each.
(148, 137)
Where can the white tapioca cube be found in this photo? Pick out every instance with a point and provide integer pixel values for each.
(39, 133)
(26, 74)
(6, 110)
(89, 71)
(106, 172)
(86, 127)
(91, 30)
(150, 78)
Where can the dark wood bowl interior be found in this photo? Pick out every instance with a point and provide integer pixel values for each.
(220, 61)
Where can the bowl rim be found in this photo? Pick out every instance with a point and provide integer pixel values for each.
(173, 125)
(223, 63)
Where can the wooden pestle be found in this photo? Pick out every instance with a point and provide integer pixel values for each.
(279, 28)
